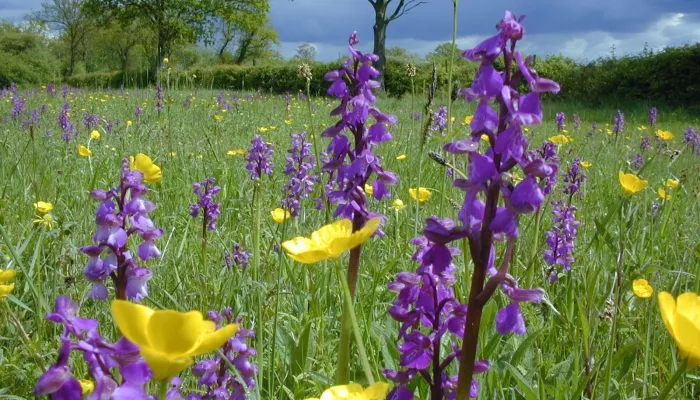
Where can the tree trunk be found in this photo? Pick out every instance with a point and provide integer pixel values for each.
(380, 25)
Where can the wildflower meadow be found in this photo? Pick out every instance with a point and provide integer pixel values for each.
(479, 239)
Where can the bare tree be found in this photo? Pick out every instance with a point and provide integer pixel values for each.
(67, 16)
(381, 21)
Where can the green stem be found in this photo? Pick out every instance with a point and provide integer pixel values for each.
(280, 260)
(23, 336)
(349, 313)
(647, 352)
(672, 382)
(162, 389)
(257, 196)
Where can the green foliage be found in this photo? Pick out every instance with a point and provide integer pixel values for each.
(26, 57)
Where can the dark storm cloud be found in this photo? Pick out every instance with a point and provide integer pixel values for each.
(329, 21)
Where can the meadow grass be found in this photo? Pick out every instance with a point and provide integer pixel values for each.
(568, 352)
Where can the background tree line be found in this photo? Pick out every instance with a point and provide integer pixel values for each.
(230, 44)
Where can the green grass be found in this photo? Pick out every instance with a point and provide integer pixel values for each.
(549, 362)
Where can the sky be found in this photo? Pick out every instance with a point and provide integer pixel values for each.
(581, 29)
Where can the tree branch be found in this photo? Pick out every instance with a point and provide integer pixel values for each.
(404, 7)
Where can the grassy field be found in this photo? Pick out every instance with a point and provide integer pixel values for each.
(570, 338)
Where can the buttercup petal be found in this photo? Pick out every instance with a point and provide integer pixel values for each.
(216, 339)
(667, 307)
(132, 321)
(175, 333)
(164, 367)
(376, 391)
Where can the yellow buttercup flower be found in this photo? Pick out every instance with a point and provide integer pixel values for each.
(642, 288)
(43, 207)
(5, 290)
(401, 157)
(6, 275)
(87, 386)
(682, 319)
(642, 128)
(84, 151)
(287, 121)
(452, 119)
(420, 195)
(45, 220)
(151, 172)
(165, 60)
(664, 135)
(262, 129)
(128, 123)
(672, 183)
(279, 215)
(586, 164)
(330, 241)
(559, 139)
(663, 195)
(369, 190)
(218, 117)
(168, 340)
(95, 135)
(236, 152)
(631, 183)
(398, 204)
(468, 119)
(354, 391)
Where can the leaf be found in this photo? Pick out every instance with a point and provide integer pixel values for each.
(529, 340)
(524, 386)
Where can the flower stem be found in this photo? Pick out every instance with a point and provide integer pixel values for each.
(280, 260)
(349, 314)
(672, 382)
(163, 389)
(23, 336)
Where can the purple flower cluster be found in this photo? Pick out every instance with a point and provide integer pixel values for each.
(138, 111)
(236, 257)
(103, 360)
(122, 213)
(440, 120)
(561, 238)
(90, 120)
(65, 91)
(206, 205)
(417, 116)
(300, 164)
(618, 123)
(561, 120)
(215, 375)
(577, 121)
(645, 144)
(259, 158)
(594, 128)
(350, 152)
(17, 107)
(638, 161)
(574, 178)
(223, 104)
(483, 219)
(432, 320)
(652, 116)
(692, 139)
(159, 98)
(65, 123)
(51, 89)
(548, 153)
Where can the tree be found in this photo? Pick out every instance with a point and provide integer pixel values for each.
(186, 20)
(306, 52)
(442, 54)
(402, 55)
(256, 44)
(381, 22)
(69, 17)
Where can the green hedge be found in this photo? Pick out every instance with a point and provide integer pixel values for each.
(671, 77)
